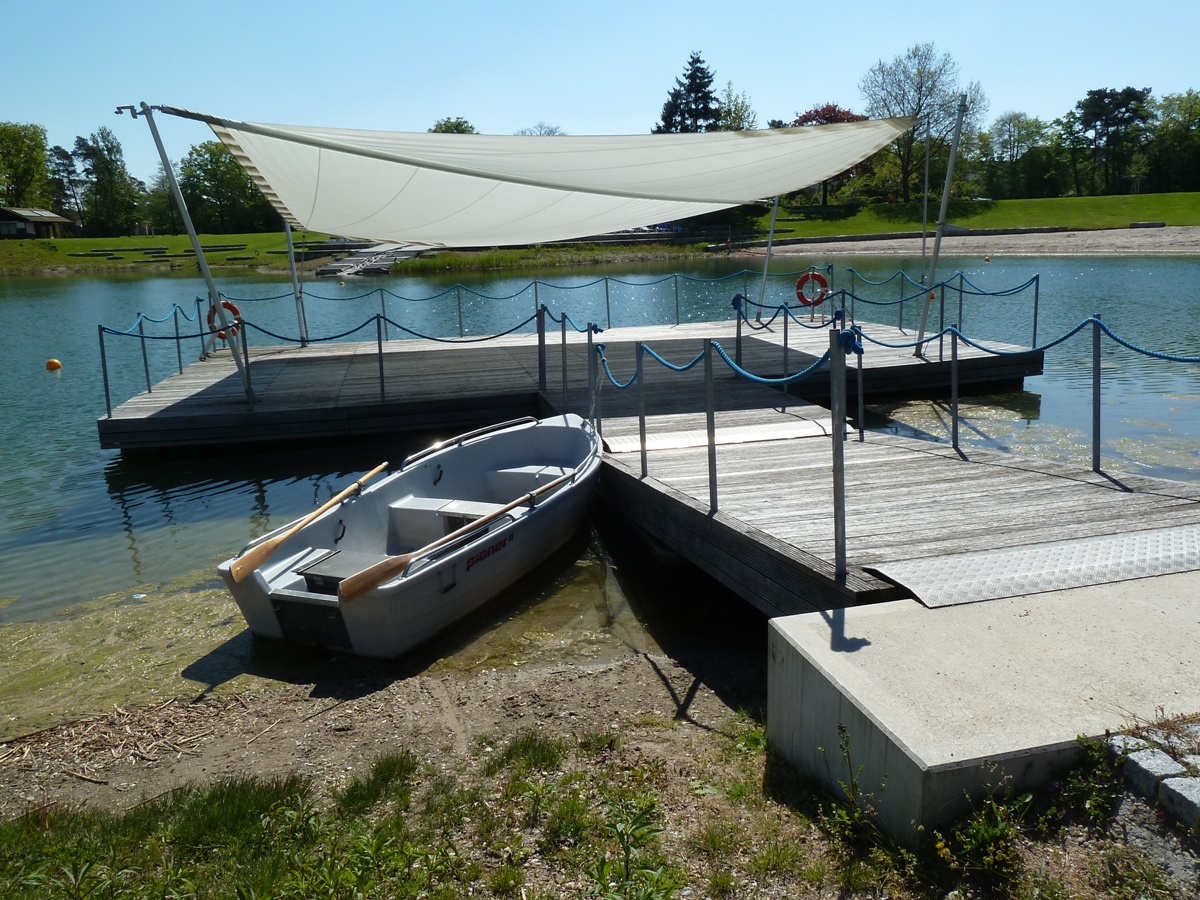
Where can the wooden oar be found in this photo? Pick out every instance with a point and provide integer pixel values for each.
(371, 577)
(260, 553)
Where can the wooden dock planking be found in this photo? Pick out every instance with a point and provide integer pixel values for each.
(906, 499)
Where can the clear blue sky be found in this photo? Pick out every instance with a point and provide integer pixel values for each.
(589, 68)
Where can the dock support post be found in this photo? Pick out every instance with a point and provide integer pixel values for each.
(641, 381)
(712, 427)
(837, 409)
(541, 336)
(145, 358)
(379, 344)
(1096, 393)
(104, 372)
(954, 387)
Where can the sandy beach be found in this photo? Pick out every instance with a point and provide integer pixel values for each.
(1170, 241)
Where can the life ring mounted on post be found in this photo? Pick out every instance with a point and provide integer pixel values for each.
(822, 288)
(237, 320)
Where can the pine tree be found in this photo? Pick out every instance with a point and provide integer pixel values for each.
(691, 105)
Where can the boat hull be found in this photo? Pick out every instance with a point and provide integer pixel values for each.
(468, 488)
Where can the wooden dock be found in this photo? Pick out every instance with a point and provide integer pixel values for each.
(344, 390)
(771, 537)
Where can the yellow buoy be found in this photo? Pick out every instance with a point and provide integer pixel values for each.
(53, 365)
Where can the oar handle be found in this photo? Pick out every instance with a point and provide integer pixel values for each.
(258, 554)
(354, 586)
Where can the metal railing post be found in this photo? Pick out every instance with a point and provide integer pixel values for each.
(787, 314)
(641, 381)
(145, 358)
(960, 300)
(104, 372)
(712, 426)
(1037, 282)
(677, 298)
(862, 410)
(458, 290)
(942, 323)
(737, 344)
(607, 303)
(1096, 393)
(564, 361)
(591, 382)
(954, 387)
(178, 339)
(383, 312)
(541, 338)
(837, 410)
(379, 344)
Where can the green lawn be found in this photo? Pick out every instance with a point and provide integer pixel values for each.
(1078, 213)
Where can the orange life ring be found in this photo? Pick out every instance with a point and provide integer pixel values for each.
(233, 311)
(822, 289)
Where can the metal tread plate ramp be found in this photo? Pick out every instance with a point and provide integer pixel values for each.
(1037, 568)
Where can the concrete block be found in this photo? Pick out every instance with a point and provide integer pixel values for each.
(1180, 798)
(1124, 744)
(1193, 763)
(1145, 770)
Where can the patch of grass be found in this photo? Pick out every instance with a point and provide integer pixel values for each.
(529, 752)
(390, 775)
(1125, 875)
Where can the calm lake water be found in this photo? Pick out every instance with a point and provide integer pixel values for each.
(82, 523)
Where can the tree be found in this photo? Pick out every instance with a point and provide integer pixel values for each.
(832, 114)
(923, 85)
(736, 112)
(111, 196)
(1116, 120)
(691, 105)
(66, 184)
(457, 125)
(1175, 151)
(24, 172)
(1013, 137)
(220, 196)
(161, 211)
(542, 129)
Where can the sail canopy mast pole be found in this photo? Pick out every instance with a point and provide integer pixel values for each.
(214, 296)
(941, 223)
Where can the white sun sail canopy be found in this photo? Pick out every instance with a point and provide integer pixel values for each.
(474, 190)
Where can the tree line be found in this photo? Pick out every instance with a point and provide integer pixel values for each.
(1112, 141)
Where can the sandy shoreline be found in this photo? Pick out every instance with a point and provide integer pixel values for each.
(1171, 241)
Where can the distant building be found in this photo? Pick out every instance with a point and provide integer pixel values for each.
(31, 223)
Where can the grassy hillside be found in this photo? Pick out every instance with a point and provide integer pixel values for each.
(254, 251)
(1079, 213)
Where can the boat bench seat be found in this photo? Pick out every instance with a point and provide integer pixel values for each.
(416, 521)
(513, 481)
